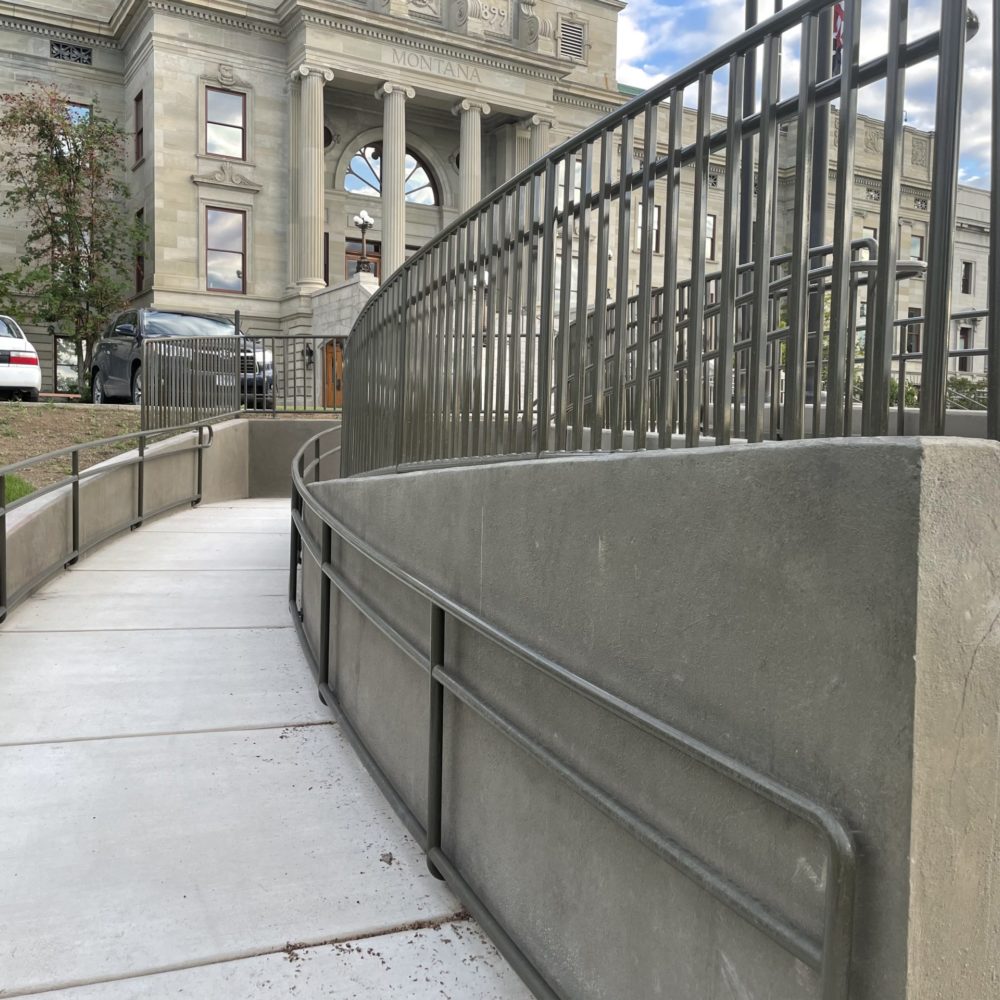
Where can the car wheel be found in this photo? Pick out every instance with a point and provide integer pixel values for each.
(98, 393)
(31, 396)
(137, 387)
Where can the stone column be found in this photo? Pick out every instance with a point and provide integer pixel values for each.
(470, 160)
(294, 146)
(311, 202)
(538, 129)
(393, 174)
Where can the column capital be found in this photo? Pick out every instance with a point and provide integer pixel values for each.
(466, 105)
(536, 121)
(387, 88)
(303, 70)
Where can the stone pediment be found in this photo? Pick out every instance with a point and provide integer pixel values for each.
(225, 176)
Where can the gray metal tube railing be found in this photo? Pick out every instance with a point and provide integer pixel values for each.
(477, 346)
(8, 600)
(829, 956)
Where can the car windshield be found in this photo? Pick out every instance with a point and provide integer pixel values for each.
(164, 324)
(8, 328)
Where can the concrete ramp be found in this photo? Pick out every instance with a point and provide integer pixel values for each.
(180, 817)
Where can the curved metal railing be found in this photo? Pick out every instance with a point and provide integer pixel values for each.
(202, 436)
(829, 956)
(545, 318)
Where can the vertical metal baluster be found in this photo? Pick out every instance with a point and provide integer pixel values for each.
(798, 289)
(545, 328)
(941, 228)
(440, 334)
(841, 307)
(727, 326)
(140, 490)
(640, 419)
(402, 334)
(500, 374)
(762, 242)
(494, 300)
(468, 336)
(514, 344)
(324, 606)
(582, 275)
(878, 337)
(599, 323)
(697, 328)
(622, 282)
(530, 299)
(565, 278)
(671, 234)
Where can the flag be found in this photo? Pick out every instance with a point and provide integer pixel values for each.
(838, 37)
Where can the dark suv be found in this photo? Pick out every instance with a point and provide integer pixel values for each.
(117, 367)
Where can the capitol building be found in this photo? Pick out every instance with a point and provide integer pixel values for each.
(261, 128)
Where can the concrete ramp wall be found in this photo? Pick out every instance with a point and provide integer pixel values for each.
(823, 612)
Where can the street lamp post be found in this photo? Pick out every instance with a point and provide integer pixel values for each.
(364, 222)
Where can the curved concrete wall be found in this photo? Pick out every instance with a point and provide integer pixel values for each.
(824, 611)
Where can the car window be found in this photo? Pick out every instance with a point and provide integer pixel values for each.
(164, 324)
(8, 328)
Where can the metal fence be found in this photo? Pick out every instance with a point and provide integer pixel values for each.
(76, 546)
(202, 378)
(483, 343)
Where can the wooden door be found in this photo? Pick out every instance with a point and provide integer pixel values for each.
(333, 374)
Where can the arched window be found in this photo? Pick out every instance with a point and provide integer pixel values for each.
(364, 176)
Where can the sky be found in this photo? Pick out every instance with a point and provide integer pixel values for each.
(659, 37)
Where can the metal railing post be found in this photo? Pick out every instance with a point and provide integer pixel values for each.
(326, 553)
(199, 464)
(3, 548)
(140, 481)
(401, 368)
(435, 762)
(75, 508)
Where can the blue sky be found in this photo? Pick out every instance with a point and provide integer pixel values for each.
(659, 37)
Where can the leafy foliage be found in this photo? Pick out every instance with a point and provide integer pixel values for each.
(62, 166)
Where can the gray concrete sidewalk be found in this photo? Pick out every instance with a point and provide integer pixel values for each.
(179, 815)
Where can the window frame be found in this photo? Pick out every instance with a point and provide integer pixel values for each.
(244, 275)
(244, 128)
(140, 257)
(657, 221)
(921, 242)
(711, 244)
(968, 287)
(137, 121)
(584, 28)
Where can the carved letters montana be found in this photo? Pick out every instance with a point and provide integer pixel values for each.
(435, 64)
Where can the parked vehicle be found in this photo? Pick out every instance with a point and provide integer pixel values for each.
(117, 368)
(20, 373)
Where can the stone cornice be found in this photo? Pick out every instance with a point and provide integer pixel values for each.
(235, 19)
(435, 41)
(54, 29)
(585, 101)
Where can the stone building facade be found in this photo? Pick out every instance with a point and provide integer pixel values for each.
(262, 128)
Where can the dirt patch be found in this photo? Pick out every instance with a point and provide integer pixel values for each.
(30, 429)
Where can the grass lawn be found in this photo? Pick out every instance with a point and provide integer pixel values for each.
(16, 488)
(29, 429)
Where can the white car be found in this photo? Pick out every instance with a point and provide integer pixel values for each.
(20, 372)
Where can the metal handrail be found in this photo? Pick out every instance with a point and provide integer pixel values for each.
(458, 356)
(830, 957)
(205, 435)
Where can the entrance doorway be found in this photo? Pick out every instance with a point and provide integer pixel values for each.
(333, 374)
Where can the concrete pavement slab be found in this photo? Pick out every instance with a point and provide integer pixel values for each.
(126, 857)
(59, 686)
(454, 960)
(156, 600)
(158, 550)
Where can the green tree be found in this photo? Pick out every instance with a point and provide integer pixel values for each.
(62, 166)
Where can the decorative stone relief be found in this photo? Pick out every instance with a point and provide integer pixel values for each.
(873, 194)
(873, 140)
(919, 152)
(531, 28)
(428, 8)
(714, 179)
(921, 204)
(226, 176)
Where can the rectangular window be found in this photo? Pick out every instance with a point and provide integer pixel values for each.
(965, 344)
(867, 233)
(140, 259)
(912, 334)
(77, 113)
(226, 250)
(968, 277)
(916, 248)
(225, 123)
(710, 237)
(656, 227)
(137, 119)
